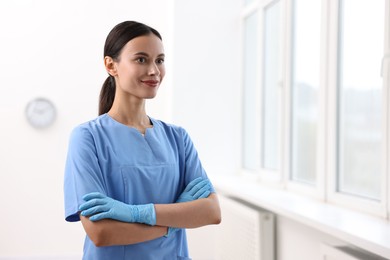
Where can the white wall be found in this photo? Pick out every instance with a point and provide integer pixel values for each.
(206, 79)
(54, 49)
(206, 92)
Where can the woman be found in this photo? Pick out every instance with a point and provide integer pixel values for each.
(135, 182)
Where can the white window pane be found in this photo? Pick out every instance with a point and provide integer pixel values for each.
(246, 2)
(251, 158)
(305, 86)
(360, 102)
(271, 76)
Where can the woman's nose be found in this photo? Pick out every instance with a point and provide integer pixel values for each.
(154, 70)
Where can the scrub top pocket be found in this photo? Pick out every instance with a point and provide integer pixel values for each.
(150, 184)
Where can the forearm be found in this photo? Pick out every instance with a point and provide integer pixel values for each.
(109, 232)
(197, 213)
(191, 214)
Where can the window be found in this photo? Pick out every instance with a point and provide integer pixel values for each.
(250, 150)
(360, 105)
(305, 89)
(270, 91)
(248, 1)
(315, 109)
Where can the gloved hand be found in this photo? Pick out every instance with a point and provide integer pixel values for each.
(196, 189)
(99, 206)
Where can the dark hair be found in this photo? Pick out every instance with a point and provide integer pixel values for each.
(118, 37)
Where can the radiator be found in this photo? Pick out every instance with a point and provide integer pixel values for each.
(245, 233)
(346, 252)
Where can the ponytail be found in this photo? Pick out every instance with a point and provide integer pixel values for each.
(107, 95)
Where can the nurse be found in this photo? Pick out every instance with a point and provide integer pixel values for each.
(135, 182)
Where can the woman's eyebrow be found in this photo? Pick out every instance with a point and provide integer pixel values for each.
(141, 53)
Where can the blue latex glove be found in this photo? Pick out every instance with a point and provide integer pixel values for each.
(196, 189)
(99, 206)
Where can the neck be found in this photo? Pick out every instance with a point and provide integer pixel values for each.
(132, 114)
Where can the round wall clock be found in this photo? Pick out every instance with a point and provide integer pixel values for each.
(40, 113)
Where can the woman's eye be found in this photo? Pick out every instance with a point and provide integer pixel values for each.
(160, 61)
(141, 60)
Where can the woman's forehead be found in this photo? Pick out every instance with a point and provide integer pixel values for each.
(149, 44)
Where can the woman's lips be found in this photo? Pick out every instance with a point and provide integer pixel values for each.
(151, 83)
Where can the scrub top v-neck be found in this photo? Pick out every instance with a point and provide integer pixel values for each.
(114, 159)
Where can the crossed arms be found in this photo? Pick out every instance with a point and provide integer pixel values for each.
(193, 209)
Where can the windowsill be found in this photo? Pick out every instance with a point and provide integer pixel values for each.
(362, 230)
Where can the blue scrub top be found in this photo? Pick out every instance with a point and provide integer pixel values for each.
(114, 159)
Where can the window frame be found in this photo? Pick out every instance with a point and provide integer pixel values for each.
(245, 13)
(386, 93)
(332, 195)
(326, 179)
(269, 175)
(318, 189)
(262, 174)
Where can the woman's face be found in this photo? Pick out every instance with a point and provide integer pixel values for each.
(140, 68)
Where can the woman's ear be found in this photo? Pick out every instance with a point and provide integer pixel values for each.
(110, 66)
